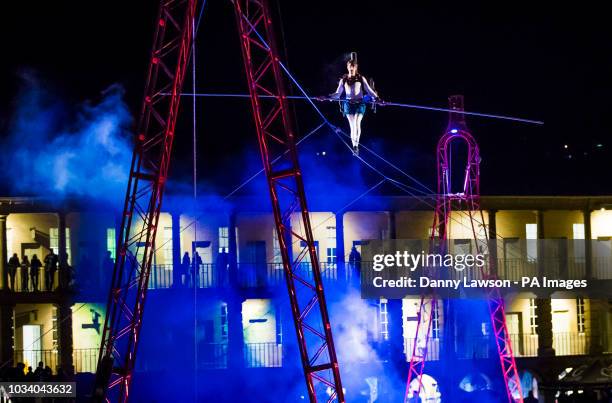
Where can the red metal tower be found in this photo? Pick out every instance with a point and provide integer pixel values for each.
(468, 200)
(276, 136)
(148, 173)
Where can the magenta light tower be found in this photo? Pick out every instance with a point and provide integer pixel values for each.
(466, 198)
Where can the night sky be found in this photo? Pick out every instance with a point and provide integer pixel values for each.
(528, 61)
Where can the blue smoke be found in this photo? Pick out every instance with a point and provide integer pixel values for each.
(57, 153)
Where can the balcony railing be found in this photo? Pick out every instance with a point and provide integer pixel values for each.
(31, 358)
(258, 355)
(433, 348)
(85, 359)
(24, 283)
(272, 274)
(523, 345)
(251, 275)
(258, 275)
(163, 276)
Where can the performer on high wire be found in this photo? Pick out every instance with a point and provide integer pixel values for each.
(353, 85)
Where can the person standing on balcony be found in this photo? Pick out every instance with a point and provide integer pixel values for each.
(184, 269)
(355, 262)
(35, 266)
(13, 264)
(196, 265)
(25, 265)
(50, 269)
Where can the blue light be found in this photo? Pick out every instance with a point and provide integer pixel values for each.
(454, 131)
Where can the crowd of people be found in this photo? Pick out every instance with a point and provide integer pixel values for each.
(189, 271)
(19, 373)
(30, 271)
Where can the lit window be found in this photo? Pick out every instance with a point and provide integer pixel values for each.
(384, 319)
(54, 242)
(435, 321)
(533, 326)
(224, 322)
(54, 333)
(167, 245)
(223, 239)
(531, 231)
(9, 241)
(276, 252)
(331, 256)
(578, 231)
(580, 314)
(111, 242)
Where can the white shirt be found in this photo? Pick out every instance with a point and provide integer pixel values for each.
(354, 91)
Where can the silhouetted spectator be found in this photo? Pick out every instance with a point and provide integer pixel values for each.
(35, 266)
(38, 372)
(355, 262)
(51, 261)
(13, 264)
(30, 377)
(20, 371)
(195, 269)
(25, 265)
(184, 269)
(47, 374)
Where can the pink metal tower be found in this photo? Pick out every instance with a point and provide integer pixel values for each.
(466, 199)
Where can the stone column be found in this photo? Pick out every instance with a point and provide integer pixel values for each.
(543, 305)
(340, 253)
(588, 247)
(232, 250)
(6, 335)
(62, 277)
(493, 241)
(176, 249)
(597, 327)
(3, 251)
(235, 347)
(392, 225)
(64, 323)
(541, 259)
(544, 323)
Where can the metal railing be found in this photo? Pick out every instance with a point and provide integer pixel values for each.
(433, 348)
(31, 358)
(272, 274)
(263, 355)
(573, 343)
(206, 276)
(249, 275)
(524, 345)
(85, 359)
(28, 285)
(261, 275)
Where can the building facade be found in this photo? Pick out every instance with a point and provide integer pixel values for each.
(243, 319)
